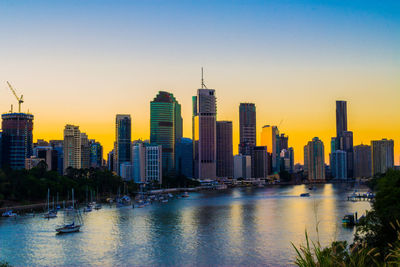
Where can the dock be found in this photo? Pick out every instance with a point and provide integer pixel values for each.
(361, 197)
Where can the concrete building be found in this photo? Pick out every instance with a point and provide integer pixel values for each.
(205, 134)
(339, 165)
(224, 149)
(382, 155)
(270, 139)
(362, 161)
(154, 164)
(287, 159)
(341, 118)
(48, 154)
(110, 161)
(122, 146)
(314, 157)
(247, 128)
(260, 162)
(72, 153)
(32, 162)
(184, 157)
(242, 166)
(16, 139)
(284, 142)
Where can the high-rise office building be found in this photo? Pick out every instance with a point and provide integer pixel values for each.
(1, 150)
(205, 134)
(270, 139)
(314, 157)
(347, 146)
(247, 128)
(284, 142)
(58, 146)
(362, 161)
(260, 162)
(85, 151)
(17, 139)
(287, 159)
(96, 154)
(110, 160)
(165, 127)
(339, 164)
(382, 155)
(184, 157)
(242, 166)
(341, 118)
(126, 171)
(139, 162)
(122, 146)
(153, 164)
(48, 154)
(224, 149)
(72, 147)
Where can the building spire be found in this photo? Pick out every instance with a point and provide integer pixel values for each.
(203, 86)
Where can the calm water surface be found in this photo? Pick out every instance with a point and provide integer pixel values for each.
(235, 227)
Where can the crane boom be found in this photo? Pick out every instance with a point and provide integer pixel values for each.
(20, 100)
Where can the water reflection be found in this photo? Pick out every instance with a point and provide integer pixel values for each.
(234, 227)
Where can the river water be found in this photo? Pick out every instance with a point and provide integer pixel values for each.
(234, 227)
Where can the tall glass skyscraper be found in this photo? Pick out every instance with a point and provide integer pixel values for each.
(247, 128)
(184, 157)
(16, 139)
(270, 139)
(96, 154)
(122, 146)
(165, 127)
(341, 118)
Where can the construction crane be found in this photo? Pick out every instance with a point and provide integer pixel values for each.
(20, 99)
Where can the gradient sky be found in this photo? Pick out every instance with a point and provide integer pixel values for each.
(82, 62)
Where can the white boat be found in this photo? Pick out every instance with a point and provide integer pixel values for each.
(170, 195)
(69, 228)
(72, 227)
(50, 215)
(9, 213)
(164, 201)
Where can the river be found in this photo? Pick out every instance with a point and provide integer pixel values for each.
(233, 227)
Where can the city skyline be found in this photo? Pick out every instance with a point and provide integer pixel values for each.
(292, 69)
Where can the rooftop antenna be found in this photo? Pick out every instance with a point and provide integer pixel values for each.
(202, 80)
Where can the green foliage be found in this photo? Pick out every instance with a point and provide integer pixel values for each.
(180, 180)
(4, 264)
(32, 185)
(377, 238)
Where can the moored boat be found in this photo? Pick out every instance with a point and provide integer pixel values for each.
(305, 194)
(9, 213)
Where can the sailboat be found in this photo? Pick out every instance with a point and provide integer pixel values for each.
(72, 227)
(50, 213)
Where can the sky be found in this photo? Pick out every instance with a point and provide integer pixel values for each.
(83, 62)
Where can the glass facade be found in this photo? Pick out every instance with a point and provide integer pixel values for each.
(165, 127)
(122, 149)
(184, 157)
(16, 139)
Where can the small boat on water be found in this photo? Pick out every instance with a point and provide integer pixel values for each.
(50, 213)
(170, 195)
(185, 194)
(348, 220)
(305, 195)
(72, 227)
(8, 214)
(88, 208)
(98, 206)
(164, 201)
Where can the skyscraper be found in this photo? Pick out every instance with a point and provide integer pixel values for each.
(139, 162)
(85, 151)
(260, 162)
(362, 161)
(341, 117)
(58, 145)
(315, 158)
(339, 164)
(122, 147)
(96, 154)
(204, 134)
(347, 146)
(17, 139)
(382, 155)
(284, 142)
(184, 157)
(242, 166)
(270, 139)
(153, 164)
(247, 128)
(72, 147)
(224, 149)
(165, 127)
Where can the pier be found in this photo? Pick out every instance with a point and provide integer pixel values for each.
(361, 197)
